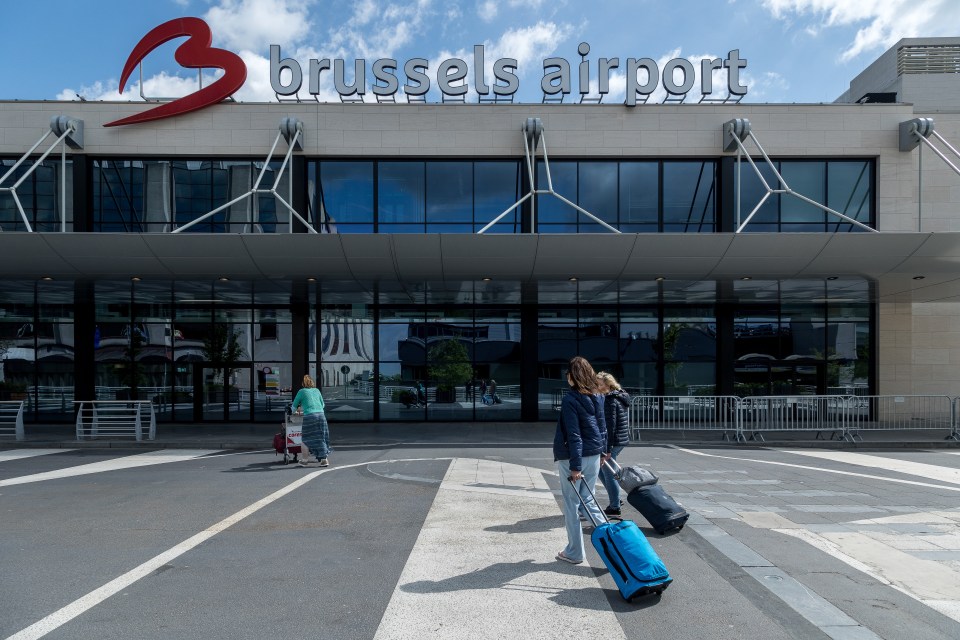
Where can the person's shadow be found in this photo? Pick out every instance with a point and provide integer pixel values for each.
(505, 575)
(533, 525)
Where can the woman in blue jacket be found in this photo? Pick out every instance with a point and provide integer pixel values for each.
(316, 433)
(580, 440)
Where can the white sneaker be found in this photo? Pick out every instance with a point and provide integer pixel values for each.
(324, 462)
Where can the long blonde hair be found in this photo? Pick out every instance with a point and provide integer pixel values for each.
(609, 380)
(308, 382)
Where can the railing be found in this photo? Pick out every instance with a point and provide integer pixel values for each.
(116, 418)
(366, 388)
(844, 416)
(11, 418)
(685, 413)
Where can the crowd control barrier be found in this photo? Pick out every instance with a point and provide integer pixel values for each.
(123, 418)
(841, 417)
(11, 418)
(684, 413)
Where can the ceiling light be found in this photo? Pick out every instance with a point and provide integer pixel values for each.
(659, 278)
(746, 278)
(919, 277)
(46, 278)
(487, 279)
(311, 279)
(223, 279)
(832, 277)
(135, 279)
(574, 279)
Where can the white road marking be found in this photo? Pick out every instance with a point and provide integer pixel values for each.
(95, 597)
(162, 456)
(923, 470)
(904, 572)
(20, 454)
(821, 469)
(473, 548)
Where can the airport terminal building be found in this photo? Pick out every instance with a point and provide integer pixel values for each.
(207, 261)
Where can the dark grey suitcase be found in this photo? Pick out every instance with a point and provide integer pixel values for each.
(661, 511)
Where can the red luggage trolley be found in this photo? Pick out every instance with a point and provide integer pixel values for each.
(290, 439)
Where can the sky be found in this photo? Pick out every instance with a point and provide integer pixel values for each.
(803, 51)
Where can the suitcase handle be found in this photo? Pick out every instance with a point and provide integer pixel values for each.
(592, 497)
(614, 468)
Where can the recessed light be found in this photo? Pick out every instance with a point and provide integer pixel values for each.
(135, 279)
(832, 277)
(919, 277)
(311, 279)
(223, 279)
(573, 279)
(659, 278)
(486, 279)
(46, 278)
(746, 278)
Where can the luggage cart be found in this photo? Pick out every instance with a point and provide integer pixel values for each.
(292, 437)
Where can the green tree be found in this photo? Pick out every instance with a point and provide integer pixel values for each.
(449, 364)
(223, 350)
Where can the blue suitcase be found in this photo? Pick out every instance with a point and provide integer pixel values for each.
(634, 565)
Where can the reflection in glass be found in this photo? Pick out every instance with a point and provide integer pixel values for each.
(639, 197)
(39, 195)
(561, 217)
(401, 195)
(689, 196)
(344, 196)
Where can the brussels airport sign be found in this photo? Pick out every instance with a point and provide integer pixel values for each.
(452, 75)
(287, 76)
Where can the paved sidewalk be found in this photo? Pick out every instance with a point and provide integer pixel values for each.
(248, 436)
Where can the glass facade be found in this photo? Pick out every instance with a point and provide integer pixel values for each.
(225, 351)
(428, 351)
(845, 186)
(40, 195)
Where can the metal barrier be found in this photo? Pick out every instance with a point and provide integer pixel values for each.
(684, 413)
(757, 414)
(899, 413)
(844, 416)
(116, 418)
(11, 418)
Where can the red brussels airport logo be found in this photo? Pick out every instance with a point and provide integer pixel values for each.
(195, 53)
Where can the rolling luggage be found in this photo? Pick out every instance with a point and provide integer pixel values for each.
(634, 565)
(649, 498)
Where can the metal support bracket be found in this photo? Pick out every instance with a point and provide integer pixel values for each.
(918, 131)
(735, 132)
(291, 130)
(533, 135)
(69, 131)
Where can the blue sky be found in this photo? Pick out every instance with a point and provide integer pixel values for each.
(797, 50)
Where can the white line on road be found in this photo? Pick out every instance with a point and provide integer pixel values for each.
(163, 456)
(95, 597)
(923, 470)
(20, 454)
(821, 469)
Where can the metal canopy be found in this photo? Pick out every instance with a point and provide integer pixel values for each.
(893, 260)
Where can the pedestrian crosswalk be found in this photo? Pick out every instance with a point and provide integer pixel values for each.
(21, 454)
(887, 463)
(490, 537)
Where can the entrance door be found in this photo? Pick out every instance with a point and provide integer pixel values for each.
(778, 378)
(220, 395)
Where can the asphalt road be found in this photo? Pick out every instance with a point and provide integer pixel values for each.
(460, 543)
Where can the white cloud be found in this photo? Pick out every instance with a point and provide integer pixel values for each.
(884, 21)
(254, 25)
(161, 85)
(487, 10)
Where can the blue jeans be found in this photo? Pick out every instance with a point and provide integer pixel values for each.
(591, 466)
(609, 482)
(316, 434)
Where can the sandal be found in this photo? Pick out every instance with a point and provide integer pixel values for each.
(563, 558)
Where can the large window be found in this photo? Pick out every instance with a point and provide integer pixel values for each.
(845, 186)
(635, 197)
(414, 196)
(39, 195)
(162, 195)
